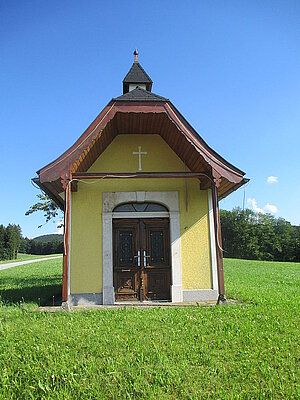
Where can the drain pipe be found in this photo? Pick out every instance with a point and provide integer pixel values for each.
(217, 223)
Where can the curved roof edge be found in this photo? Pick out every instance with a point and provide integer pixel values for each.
(60, 168)
(203, 143)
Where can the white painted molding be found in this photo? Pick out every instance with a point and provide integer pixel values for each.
(136, 214)
(213, 248)
(176, 288)
(107, 258)
(112, 199)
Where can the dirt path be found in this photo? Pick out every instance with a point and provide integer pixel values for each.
(18, 263)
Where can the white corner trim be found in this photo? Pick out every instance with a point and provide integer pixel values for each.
(109, 201)
(213, 249)
(107, 259)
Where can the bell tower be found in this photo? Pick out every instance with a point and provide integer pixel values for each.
(136, 77)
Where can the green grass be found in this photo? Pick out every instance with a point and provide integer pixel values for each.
(245, 351)
(33, 284)
(25, 257)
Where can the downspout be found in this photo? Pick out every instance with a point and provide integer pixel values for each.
(221, 297)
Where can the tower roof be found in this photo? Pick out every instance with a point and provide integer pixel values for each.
(136, 75)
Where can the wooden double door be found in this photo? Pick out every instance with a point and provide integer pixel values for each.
(142, 269)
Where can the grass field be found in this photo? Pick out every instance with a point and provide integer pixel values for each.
(35, 284)
(245, 351)
(25, 257)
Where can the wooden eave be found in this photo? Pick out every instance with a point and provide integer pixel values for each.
(136, 117)
(52, 190)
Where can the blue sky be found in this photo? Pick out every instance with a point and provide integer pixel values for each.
(230, 67)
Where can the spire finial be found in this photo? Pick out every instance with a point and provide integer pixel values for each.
(135, 55)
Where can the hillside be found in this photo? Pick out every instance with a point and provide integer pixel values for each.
(49, 238)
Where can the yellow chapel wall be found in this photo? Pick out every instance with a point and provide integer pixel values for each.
(86, 212)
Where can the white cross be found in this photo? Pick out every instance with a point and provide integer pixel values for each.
(139, 153)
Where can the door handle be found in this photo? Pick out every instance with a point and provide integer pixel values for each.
(138, 258)
(126, 270)
(145, 258)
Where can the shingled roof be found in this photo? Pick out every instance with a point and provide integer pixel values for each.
(137, 75)
(139, 94)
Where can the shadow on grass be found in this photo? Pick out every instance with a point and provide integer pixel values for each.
(43, 295)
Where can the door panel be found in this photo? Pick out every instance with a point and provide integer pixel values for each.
(158, 285)
(126, 271)
(127, 285)
(157, 272)
(142, 269)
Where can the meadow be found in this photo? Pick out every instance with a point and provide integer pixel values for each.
(248, 349)
(25, 257)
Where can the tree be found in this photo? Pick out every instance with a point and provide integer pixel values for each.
(47, 206)
(12, 240)
(239, 240)
(257, 236)
(296, 243)
(24, 245)
(3, 249)
(51, 247)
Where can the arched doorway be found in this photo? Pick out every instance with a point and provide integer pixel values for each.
(141, 252)
(110, 200)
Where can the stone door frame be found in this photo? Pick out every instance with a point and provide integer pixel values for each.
(112, 199)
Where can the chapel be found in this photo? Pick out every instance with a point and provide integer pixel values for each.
(140, 191)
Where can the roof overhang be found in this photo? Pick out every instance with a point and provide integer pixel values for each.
(51, 191)
(134, 117)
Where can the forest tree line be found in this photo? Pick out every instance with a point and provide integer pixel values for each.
(12, 242)
(255, 236)
(33, 246)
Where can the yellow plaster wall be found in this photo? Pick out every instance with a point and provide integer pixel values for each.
(86, 212)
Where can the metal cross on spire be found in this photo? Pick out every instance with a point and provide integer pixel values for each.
(139, 153)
